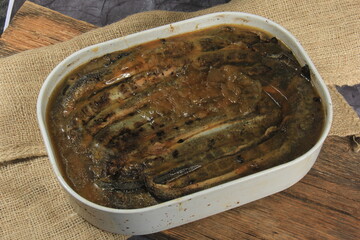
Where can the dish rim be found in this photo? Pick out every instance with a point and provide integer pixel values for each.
(41, 105)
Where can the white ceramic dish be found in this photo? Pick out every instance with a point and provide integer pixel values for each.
(200, 204)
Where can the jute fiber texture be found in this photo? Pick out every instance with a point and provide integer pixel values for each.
(32, 205)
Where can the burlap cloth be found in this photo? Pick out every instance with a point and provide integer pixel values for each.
(32, 204)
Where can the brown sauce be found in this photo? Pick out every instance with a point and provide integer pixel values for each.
(174, 116)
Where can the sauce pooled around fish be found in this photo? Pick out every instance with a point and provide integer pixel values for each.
(174, 116)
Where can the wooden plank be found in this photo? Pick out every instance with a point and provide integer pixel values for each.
(323, 205)
(34, 26)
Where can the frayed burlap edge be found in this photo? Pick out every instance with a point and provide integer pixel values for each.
(345, 121)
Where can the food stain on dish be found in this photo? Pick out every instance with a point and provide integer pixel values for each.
(95, 49)
(174, 116)
(242, 19)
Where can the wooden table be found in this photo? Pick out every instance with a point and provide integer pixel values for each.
(323, 205)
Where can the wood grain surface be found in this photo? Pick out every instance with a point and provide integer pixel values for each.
(34, 26)
(323, 205)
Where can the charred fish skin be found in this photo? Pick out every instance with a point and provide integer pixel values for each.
(175, 116)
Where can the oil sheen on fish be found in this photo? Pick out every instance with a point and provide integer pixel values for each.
(174, 116)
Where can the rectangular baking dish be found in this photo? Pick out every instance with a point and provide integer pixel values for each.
(200, 204)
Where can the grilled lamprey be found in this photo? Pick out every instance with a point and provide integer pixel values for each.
(174, 116)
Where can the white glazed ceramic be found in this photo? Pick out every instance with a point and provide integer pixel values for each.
(200, 204)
